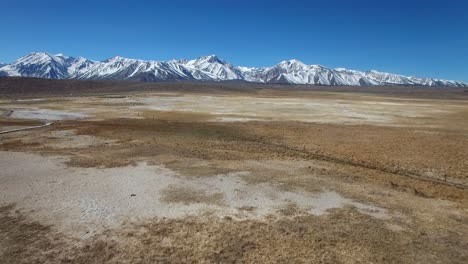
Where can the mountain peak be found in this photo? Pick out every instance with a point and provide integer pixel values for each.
(211, 59)
(37, 55)
(115, 58)
(120, 59)
(293, 61)
(291, 65)
(39, 58)
(212, 56)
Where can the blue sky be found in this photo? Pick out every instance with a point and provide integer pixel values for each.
(421, 38)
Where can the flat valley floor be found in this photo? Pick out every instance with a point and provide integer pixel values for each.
(265, 176)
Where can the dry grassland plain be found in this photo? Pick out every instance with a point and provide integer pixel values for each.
(266, 176)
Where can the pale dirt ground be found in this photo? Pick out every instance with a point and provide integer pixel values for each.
(310, 177)
(313, 107)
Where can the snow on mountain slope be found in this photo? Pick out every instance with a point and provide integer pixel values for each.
(294, 71)
(216, 68)
(389, 78)
(208, 68)
(119, 68)
(78, 66)
(44, 65)
(39, 64)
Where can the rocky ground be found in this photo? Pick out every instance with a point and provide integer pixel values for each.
(261, 176)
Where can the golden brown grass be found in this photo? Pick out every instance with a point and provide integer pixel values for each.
(344, 236)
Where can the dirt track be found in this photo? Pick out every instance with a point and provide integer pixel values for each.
(270, 176)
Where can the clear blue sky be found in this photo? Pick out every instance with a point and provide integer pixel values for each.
(422, 38)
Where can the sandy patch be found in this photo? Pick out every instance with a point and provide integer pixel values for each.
(32, 100)
(46, 114)
(92, 198)
(321, 109)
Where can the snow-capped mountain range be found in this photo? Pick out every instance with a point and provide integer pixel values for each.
(208, 68)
